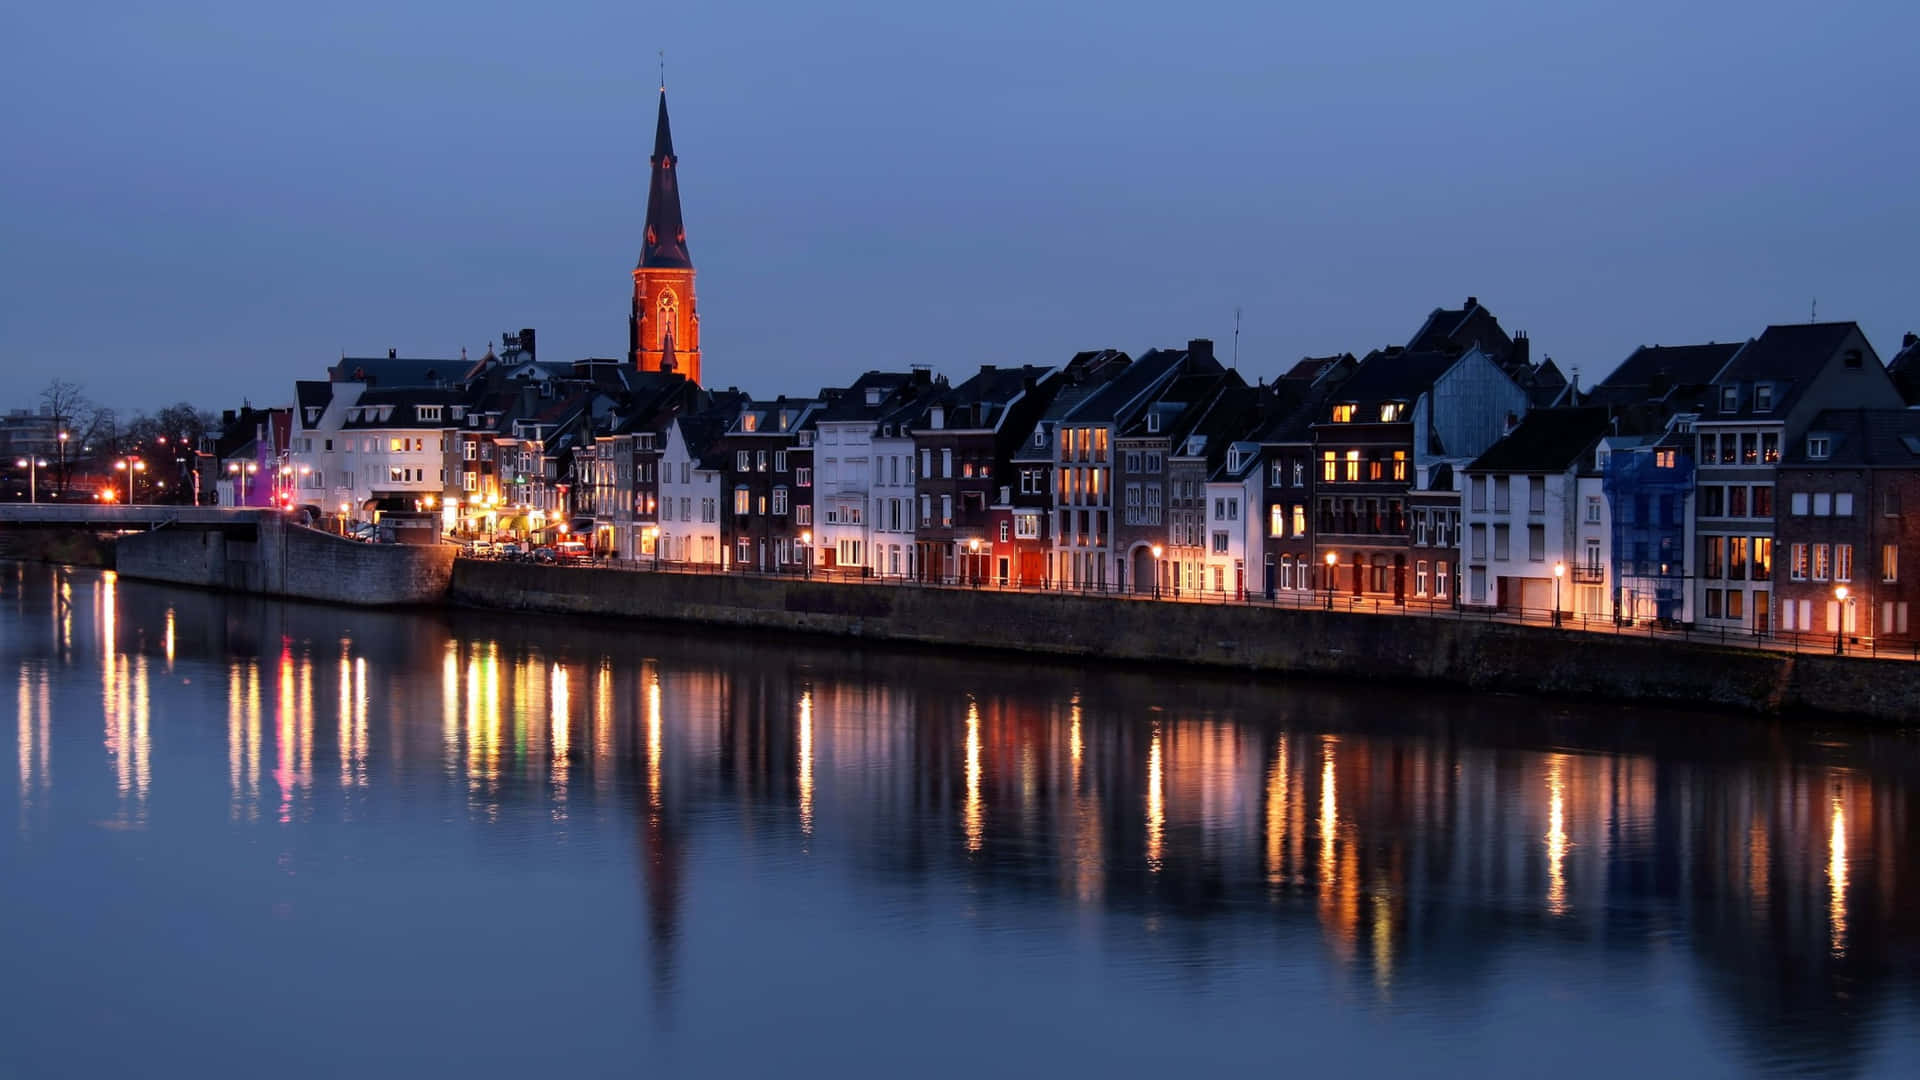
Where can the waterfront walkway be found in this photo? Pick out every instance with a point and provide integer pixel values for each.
(1856, 645)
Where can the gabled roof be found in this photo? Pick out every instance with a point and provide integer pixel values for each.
(1127, 392)
(1905, 369)
(1455, 330)
(1394, 375)
(1884, 438)
(1651, 370)
(1546, 440)
(379, 408)
(1787, 357)
(981, 401)
(312, 394)
(854, 403)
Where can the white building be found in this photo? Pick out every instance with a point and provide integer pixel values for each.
(690, 493)
(863, 480)
(1537, 534)
(1233, 520)
(373, 450)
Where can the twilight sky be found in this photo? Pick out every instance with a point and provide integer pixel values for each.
(207, 200)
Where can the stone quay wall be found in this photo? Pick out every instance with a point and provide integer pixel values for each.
(278, 558)
(1481, 656)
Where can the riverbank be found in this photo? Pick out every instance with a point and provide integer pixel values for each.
(1486, 657)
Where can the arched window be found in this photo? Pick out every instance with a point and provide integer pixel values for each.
(668, 321)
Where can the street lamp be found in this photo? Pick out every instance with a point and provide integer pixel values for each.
(1332, 560)
(33, 467)
(1157, 569)
(653, 531)
(1839, 619)
(129, 466)
(973, 561)
(806, 553)
(1559, 571)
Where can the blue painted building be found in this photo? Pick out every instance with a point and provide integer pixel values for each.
(1647, 482)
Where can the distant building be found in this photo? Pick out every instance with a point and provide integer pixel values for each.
(664, 330)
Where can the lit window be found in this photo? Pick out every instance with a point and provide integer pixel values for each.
(1343, 414)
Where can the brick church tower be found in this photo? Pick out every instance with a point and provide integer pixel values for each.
(664, 330)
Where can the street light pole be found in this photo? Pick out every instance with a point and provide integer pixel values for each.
(1839, 620)
(1559, 571)
(973, 561)
(1332, 561)
(806, 553)
(33, 465)
(1158, 569)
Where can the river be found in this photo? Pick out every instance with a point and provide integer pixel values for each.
(266, 838)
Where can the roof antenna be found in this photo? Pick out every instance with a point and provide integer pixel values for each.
(1813, 312)
(1236, 337)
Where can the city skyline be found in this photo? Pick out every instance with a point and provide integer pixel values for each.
(973, 199)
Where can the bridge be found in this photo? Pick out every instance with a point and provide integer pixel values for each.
(122, 517)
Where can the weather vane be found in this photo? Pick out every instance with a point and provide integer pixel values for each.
(663, 70)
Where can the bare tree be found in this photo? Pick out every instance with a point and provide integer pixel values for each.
(73, 414)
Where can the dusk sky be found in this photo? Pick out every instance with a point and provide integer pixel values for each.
(206, 201)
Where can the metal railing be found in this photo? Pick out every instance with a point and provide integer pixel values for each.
(1346, 602)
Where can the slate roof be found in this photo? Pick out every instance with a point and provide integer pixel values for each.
(852, 404)
(1874, 438)
(312, 394)
(1117, 400)
(1651, 370)
(400, 371)
(1905, 369)
(1546, 440)
(1788, 357)
(403, 412)
(981, 401)
(1454, 330)
(1394, 375)
(666, 235)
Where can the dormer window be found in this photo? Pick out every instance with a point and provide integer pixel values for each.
(749, 422)
(1819, 447)
(786, 418)
(1343, 414)
(313, 415)
(428, 413)
(936, 418)
(459, 413)
(1852, 359)
(1730, 399)
(1233, 461)
(1039, 436)
(1153, 423)
(1763, 397)
(1392, 411)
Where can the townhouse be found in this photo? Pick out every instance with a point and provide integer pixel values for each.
(1760, 402)
(1848, 534)
(1284, 435)
(1029, 496)
(963, 440)
(766, 454)
(1535, 517)
(848, 511)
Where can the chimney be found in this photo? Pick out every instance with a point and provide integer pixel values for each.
(393, 354)
(526, 342)
(1910, 340)
(1522, 354)
(1473, 302)
(1200, 348)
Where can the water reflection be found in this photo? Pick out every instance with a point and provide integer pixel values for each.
(1418, 854)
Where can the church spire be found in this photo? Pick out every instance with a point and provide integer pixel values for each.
(666, 244)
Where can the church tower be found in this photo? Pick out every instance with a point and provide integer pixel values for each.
(664, 331)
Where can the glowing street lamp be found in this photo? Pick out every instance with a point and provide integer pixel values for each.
(130, 466)
(806, 553)
(973, 560)
(1158, 551)
(1332, 561)
(1839, 619)
(1559, 571)
(33, 466)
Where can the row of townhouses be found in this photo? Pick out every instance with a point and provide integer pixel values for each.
(1750, 486)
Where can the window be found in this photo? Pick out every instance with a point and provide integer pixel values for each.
(1709, 447)
(1890, 504)
(1027, 526)
(1537, 543)
(743, 552)
(1737, 501)
(1769, 447)
(1478, 550)
(1478, 489)
(1843, 504)
(1762, 500)
(780, 500)
(1233, 509)
(1300, 519)
(1798, 504)
(1763, 397)
(1420, 527)
(926, 463)
(1737, 558)
(1713, 603)
(742, 461)
(1276, 520)
(1822, 504)
(1716, 560)
(1420, 578)
(1006, 529)
(803, 514)
(1662, 459)
(1822, 562)
(779, 461)
(1299, 474)
(1736, 604)
(1353, 465)
(946, 510)
(1343, 414)
(803, 477)
(1593, 510)
(1797, 562)
(1713, 500)
(1326, 465)
(1749, 450)
(946, 462)
(1843, 562)
(1730, 399)
(1500, 544)
(1819, 447)
(742, 501)
(1220, 543)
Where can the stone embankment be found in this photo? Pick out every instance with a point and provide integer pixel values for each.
(277, 558)
(1488, 657)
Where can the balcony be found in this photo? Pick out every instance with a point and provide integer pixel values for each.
(1588, 575)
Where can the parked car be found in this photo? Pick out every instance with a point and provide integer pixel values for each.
(572, 551)
(507, 550)
(480, 549)
(544, 555)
